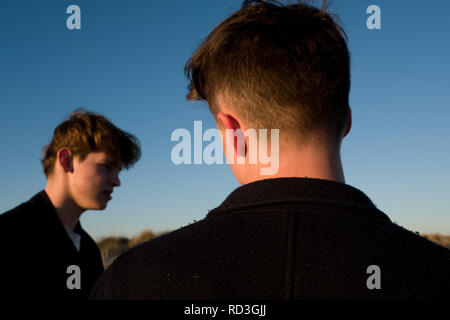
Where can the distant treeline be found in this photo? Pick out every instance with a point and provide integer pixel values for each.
(438, 238)
(112, 247)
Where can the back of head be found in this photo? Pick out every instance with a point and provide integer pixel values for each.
(279, 66)
(85, 132)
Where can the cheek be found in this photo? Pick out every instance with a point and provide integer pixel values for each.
(86, 181)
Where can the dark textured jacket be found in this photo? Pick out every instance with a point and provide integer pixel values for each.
(35, 252)
(288, 238)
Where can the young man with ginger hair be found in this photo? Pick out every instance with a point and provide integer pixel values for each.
(45, 251)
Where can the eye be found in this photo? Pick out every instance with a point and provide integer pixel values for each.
(107, 166)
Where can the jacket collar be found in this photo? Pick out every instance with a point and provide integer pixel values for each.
(297, 190)
(42, 201)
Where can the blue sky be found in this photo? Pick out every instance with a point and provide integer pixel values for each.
(127, 63)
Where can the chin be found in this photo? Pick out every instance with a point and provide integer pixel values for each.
(98, 206)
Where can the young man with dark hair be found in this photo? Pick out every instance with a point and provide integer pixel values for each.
(300, 233)
(45, 253)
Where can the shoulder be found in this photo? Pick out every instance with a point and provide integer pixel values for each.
(15, 215)
(410, 242)
(17, 224)
(26, 211)
(160, 268)
(415, 257)
(167, 248)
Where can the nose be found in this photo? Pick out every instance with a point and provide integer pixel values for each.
(115, 180)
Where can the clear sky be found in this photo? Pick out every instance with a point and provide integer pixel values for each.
(127, 63)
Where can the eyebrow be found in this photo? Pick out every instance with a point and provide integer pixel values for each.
(113, 163)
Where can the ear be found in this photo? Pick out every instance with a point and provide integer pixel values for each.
(230, 122)
(349, 121)
(64, 158)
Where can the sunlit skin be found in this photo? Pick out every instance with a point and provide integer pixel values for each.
(318, 159)
(76, 186)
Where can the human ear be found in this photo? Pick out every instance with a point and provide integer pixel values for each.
(64, 158)
(230, 122)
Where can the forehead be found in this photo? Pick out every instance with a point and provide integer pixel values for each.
(104, 155)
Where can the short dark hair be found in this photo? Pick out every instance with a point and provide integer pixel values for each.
(281, 66)
(85, 132)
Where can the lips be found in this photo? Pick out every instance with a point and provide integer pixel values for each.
(107, 193)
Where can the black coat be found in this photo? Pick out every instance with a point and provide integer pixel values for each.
(287, 238)
(35, 252)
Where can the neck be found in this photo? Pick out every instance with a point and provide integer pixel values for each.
(316, 163)
(67, 210)
(326, 168)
